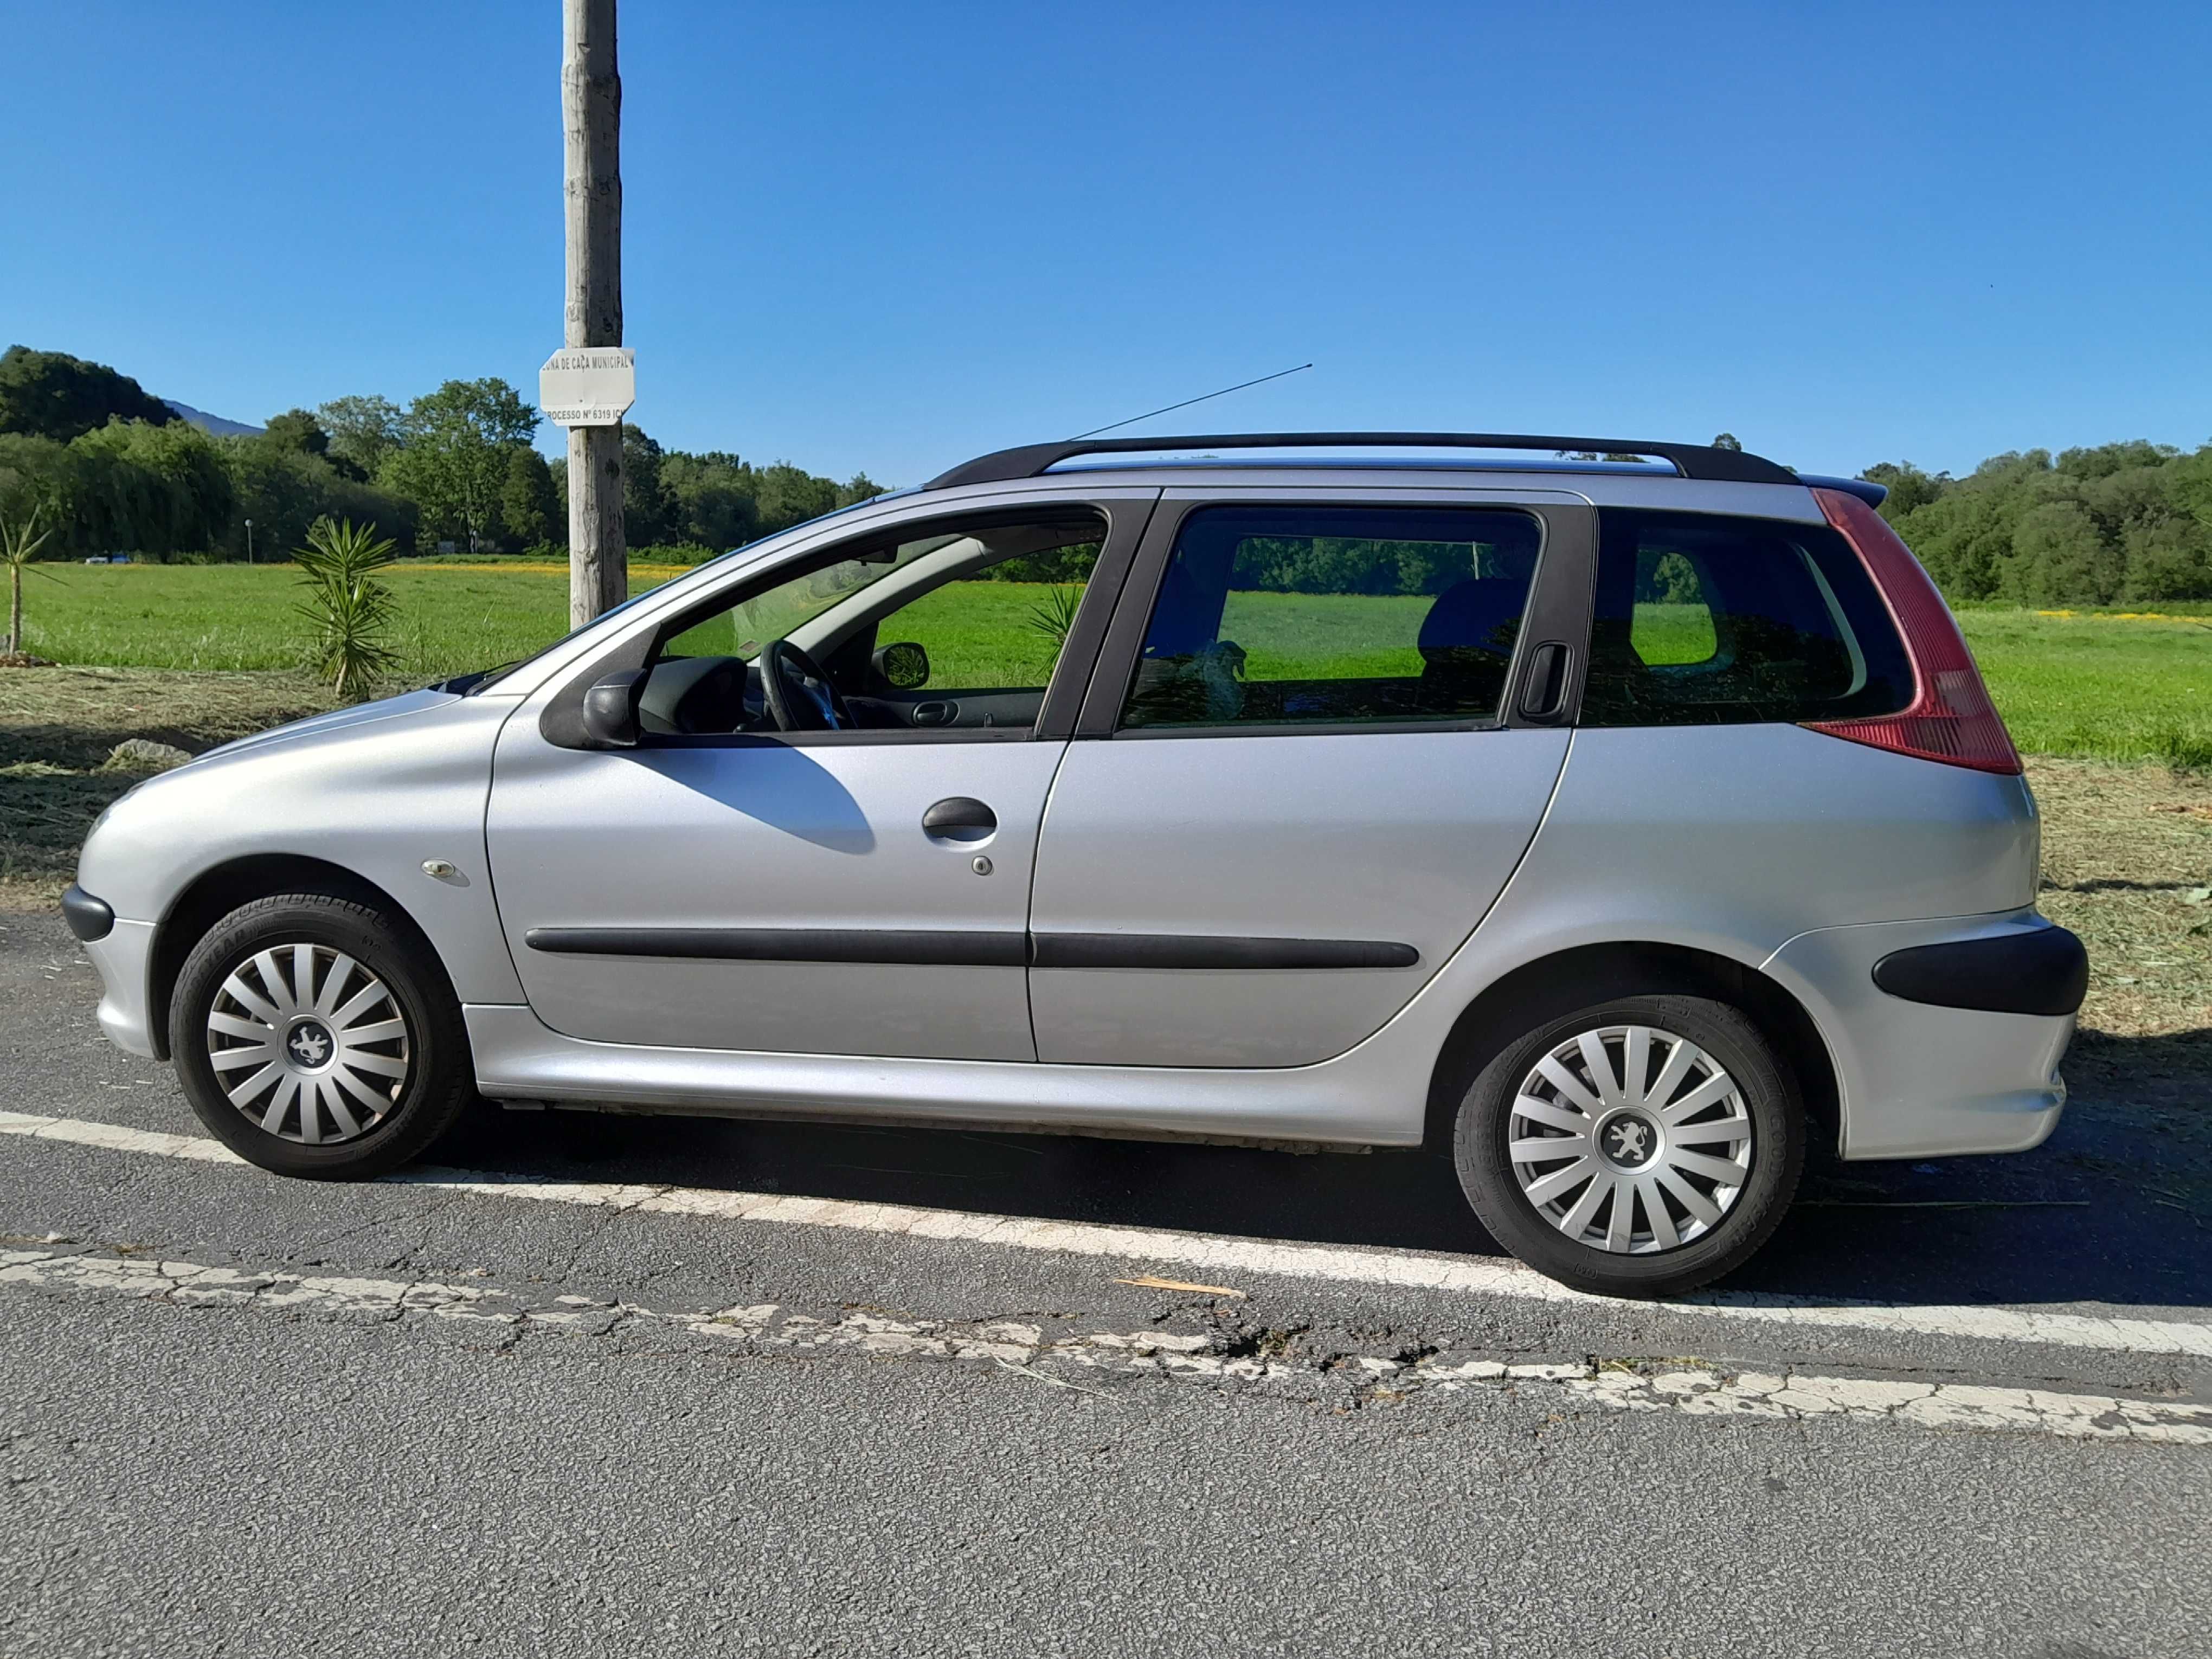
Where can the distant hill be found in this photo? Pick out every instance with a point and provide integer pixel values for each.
(214, 423)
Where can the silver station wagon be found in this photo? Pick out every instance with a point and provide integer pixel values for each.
(1613, 818)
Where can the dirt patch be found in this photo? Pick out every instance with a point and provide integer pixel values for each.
(2127, 864)
(59, 726)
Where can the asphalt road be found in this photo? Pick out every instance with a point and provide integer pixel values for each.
(585, 1398)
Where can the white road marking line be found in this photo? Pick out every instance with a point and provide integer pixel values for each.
(1221, 1256)
(1021, 1348)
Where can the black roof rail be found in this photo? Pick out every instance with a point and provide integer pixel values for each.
(1691, 460)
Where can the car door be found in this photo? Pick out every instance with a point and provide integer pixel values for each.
(858, 891)
(1320, 738)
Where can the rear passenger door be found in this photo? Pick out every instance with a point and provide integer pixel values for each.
(1320, 735)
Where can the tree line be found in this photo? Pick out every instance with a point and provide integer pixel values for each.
(116, 471)
(2119, 523)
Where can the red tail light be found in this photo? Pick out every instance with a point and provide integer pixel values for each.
(1951, 719)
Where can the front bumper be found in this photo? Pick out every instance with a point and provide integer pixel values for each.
(124, 956)
(1918, 1079)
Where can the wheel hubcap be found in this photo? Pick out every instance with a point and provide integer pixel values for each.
(309, 1044)
(1631, 1140)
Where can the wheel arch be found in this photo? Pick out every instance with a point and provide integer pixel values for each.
(221, 888)
(1591, 974)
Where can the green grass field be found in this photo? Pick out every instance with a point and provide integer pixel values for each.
(2100, 686)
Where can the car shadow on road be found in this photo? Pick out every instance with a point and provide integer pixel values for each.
(2116, 1208)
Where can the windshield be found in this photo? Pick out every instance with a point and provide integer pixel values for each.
(491, 677)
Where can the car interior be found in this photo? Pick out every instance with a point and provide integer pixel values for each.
(822, 650)
(1225, 643)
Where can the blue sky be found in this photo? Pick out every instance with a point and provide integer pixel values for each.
(886, 237)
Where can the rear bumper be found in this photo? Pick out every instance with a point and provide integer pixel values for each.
(1942, 1072)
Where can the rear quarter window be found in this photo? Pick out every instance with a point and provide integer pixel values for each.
(1706, 620)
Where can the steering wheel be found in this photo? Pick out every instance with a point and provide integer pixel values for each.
(800, 696)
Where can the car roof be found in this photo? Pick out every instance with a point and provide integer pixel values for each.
(1341, 452)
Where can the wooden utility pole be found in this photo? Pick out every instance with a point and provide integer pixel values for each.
(590, 112)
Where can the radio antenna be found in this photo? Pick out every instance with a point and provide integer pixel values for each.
(1187, 402)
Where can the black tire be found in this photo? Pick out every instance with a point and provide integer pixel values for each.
(438, 1082)
(1769, 1093)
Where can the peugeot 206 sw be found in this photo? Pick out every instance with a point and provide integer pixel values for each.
(1616, 826)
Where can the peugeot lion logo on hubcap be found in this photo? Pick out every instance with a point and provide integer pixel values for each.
(1629, 1139)
(310, 1045)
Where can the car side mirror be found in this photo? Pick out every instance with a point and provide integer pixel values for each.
(610, 720)
(903, 667)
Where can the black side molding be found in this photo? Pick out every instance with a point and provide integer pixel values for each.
(2043, 971)
(1198, 951)
(954, 949)
(88, 918)
(947, 949)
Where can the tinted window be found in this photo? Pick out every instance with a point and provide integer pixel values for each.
(999, 628)
(1282, 616)
(989, 604)
(1702, 620)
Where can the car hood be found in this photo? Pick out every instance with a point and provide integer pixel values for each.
(413, 703)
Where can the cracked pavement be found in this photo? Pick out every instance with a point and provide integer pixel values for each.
(246, 1416)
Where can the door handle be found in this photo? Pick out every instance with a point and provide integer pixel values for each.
(1544, 692)
(959, 818)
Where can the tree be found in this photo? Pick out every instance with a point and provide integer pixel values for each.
(285, 490)
(295, 429)
(712, 496)
(351, 611)
(1727, 441)
(160, 491)
(2115, 523)
(1909, 486)
(2059, 557)
(528, 506)
(454, 461)
(363, 430)
(649, 514)
(857, 489)
(35, 475)
(787, 497)
(54, 395)
(20, 542)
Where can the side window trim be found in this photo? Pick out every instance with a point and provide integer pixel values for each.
(1559, 610)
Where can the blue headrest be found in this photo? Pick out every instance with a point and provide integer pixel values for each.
(1481, 614)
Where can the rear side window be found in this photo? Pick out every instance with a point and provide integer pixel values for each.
(1703, 620)
(1276, 616)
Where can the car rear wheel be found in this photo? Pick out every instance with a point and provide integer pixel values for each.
(316, 1036)
(1642, 1148)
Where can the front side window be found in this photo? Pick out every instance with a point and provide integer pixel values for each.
(960, 625)
(1706, 620)
(1276, 616)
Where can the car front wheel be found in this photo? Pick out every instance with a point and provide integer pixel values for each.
(316, 1036)
(1641, 1147)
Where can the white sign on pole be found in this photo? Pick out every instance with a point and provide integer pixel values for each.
(587, 385)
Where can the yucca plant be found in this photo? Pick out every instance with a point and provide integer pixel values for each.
(350, 610)
(1054, 614)
(19, 545)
